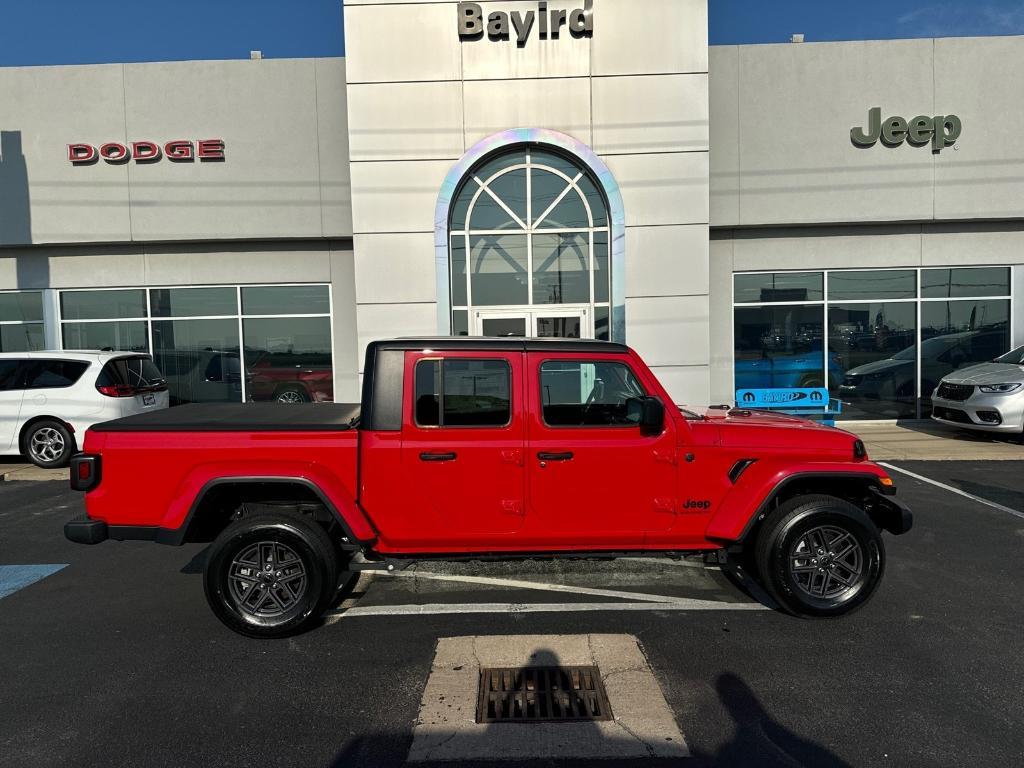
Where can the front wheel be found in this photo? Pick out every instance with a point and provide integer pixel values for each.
(820, 556)
(271, 574)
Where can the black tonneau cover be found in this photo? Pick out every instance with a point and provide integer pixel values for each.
(240, 417)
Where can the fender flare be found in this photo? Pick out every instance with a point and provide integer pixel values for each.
(176, 536)
(733, 535)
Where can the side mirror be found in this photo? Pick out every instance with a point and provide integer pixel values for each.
(652, 416)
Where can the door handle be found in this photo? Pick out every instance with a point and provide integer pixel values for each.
(438, 456)
(566, 456)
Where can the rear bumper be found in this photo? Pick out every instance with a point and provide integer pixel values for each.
(82, 530)
(892, 514)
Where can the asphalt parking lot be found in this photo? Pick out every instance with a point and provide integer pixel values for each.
(114, 658)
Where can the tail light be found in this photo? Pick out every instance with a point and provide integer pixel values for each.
(85, 472)
(117, 390)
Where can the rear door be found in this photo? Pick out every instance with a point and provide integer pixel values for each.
(593, 479)
(462, 449)
(11, 394)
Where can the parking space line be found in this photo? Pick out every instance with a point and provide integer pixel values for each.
(16, 577)
(952, 489)
(544, 587)
(437, 609)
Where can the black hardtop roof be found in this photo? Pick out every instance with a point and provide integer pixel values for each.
(504, 343)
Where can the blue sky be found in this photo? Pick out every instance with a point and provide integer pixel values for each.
(93, 31)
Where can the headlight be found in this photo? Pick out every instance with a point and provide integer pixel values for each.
(999, 389)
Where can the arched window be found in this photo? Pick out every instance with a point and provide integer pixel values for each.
(529, 240)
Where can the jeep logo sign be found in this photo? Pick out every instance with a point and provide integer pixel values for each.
(942, 131)
(503, 26)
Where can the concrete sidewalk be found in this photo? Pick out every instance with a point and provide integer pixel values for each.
(928, 441)
(24, 471)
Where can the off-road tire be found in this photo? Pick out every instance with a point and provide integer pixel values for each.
(298, 545)
(799, 553)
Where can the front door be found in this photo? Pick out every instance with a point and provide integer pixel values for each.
(553, 323)
(462, 449)
(594, 480)
(11, 394)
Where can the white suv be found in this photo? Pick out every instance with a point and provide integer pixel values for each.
(49, 399)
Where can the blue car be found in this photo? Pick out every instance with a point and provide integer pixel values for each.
(786, 371)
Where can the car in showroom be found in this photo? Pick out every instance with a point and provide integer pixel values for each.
(289, 377)
(987, 397)
(49, 399)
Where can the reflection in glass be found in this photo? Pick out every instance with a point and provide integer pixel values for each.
(781, 286)
(458, 260)
(781, 347)
(500, 327)
(561, 271)
(288, 359)
(21, 306)
(488, 215)
(118, 336)
(879, 284)
(953, 283)
(102, 305)
(554, 160)
(958, 334)
(558, 327)
(24, 337)
(460, 323)
(569, 213)
(476, 393)
(602, 273)
(511, 190)
(595, 198)
(875, 344)
(602, 324)
(199, 359)
(499, 270)
(547, 187)
(194, 302)
(286, 300)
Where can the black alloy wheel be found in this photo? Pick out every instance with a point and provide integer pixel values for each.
(820, 556)
(291, 395)
(271, 574)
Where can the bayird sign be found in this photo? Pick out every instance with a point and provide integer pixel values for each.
(500, 25)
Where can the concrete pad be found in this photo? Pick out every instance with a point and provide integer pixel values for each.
(446, 730)
(931, 441)
(30, 472)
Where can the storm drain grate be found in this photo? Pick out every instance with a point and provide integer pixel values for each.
(541, 694)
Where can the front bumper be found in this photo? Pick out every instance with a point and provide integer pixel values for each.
(1008, 409)
(891, 514)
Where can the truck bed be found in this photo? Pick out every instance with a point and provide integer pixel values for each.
(240, 417)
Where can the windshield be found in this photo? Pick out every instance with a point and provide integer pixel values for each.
(930, 349)
(1014, 357)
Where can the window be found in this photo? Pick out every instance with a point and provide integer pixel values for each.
(863, 339)
(463, 393)
(134, 372)
(21, 321)
(529, 228)
(10, 377)
(218, 343)
(578, 394)
(53, 374)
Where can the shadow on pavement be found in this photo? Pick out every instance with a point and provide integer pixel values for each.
(759, 741)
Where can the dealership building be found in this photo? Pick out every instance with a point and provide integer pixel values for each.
(848, 215)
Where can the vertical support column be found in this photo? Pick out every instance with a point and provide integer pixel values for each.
(51, 319)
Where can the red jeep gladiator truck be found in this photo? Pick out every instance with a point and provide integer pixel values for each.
(486, 448)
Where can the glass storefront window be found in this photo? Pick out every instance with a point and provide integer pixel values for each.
(500, 270)
(286, 300)
(778, 287)
(856, 285)
(103, 305)
(119, 336)
(957, 334)
(875, 345)
(21, 337)
(194, 302)
(561, 269)
(973, 282)
(199, 359)
(779, 347)
(21, 307)
(288, 359)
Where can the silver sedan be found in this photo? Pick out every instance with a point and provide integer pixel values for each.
(987, 397)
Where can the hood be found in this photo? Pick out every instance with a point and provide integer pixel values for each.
(879, 366)
(987, 373)
(741, 427)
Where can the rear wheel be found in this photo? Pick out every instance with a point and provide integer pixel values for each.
(291, 395)
(820, 556)
(48, 444)
(271, 574)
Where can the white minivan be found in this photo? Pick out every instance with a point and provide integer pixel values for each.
(49, 399)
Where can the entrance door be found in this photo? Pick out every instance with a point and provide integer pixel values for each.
(554, 323)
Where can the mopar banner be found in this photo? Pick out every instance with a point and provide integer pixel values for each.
(782, 398)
